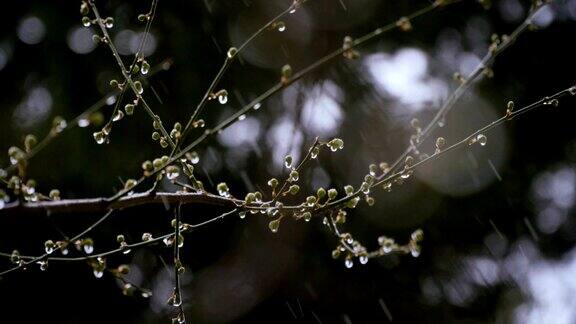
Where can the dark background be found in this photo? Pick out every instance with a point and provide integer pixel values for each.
(494, 250)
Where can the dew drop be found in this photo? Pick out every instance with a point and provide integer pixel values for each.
(88, 248)
(232, 52)
(98, 273)
(194, 157)
(348, 263)
(59, 124)
(118, 116)
(86, 22)
(415, 250)
(109, 22)
(145, 68)
(100, 137)
(241, 117)
(223, 97)
(274, 225)
(49, 246)
(172, 175)
(294, 176)
(223, 189)
(43, 265)
(288, 161)
(363, 259)
(315, 151)
(257, 106)
(280, 26)
(242, 214)
(175, 300)
(440, 143)
(482, 139)
(168, 241)
(138, 87)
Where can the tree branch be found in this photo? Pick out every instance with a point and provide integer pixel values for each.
(94, 205)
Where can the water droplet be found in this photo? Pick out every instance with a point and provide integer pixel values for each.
(274, 225)
(336, 253)
(172, 175)
(172, 172)
(280, 26)
(118, 116)
(43, 265)
(138, 87)
(257, 106)
(100, 137)
(241, 117)
(223, 189)
(49, 246)
(482, 139)
(242, 214)
(175, 300)
(363, 259)
(146, 237)
(194, 157)
(98, 273)
(145, 68)
(335, 144)
(180, 319)
(223, 97)
(415, 250)
(440, 143)
(232, 52)
(311, 201)
(315, 151)
(59, 124)
(349, 263)
(109, 22)
(288, 161)
(86, 22)
(199, 123)
(88, 248)
(294, 176)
